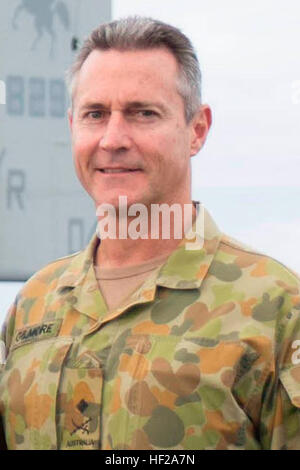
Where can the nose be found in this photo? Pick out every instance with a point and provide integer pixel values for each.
(115, 136)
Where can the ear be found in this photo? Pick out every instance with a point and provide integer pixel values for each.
(200, 125)
(70, 119)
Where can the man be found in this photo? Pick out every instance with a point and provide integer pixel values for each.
(149, 343)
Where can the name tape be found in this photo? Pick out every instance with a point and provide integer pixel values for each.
(36, 332)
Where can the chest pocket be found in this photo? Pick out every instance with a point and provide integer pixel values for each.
(79, 403)
(29, 387)
(50, 401)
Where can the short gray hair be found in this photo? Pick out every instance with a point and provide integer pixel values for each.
(138, 33)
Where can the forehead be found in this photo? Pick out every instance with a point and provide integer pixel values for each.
(128, 74)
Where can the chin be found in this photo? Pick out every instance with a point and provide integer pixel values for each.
(113, 199)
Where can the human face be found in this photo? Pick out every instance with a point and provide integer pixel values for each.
(129, 134)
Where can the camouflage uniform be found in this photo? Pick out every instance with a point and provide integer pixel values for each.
(202, 356)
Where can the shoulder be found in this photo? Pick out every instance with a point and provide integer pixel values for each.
(47, 278)
(263, 286)
(267, 294)
(254, 264)
(39, 292)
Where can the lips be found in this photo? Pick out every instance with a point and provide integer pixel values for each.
(118, 170)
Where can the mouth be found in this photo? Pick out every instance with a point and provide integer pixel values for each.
(112, 171)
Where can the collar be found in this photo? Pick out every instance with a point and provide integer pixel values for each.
(185, 268)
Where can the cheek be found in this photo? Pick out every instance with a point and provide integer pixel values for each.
(165, 155)
(177, 140)
(84, 146)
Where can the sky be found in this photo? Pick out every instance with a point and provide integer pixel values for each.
(247, 174)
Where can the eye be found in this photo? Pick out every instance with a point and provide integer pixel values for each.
(95, 114)
(142, 114)
(147, 112)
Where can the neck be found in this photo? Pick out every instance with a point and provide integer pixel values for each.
(161, 233)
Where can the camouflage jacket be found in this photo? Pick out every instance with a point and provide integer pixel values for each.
(204, 355)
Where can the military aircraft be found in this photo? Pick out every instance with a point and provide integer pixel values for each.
(44, 213)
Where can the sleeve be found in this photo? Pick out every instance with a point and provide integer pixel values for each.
(7, 331)
(5, 342)
(280, 417)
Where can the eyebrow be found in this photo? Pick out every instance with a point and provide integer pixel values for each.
(92, 105)
(145, 104)
(128, 105)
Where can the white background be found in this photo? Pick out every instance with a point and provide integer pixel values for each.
(247, 175)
